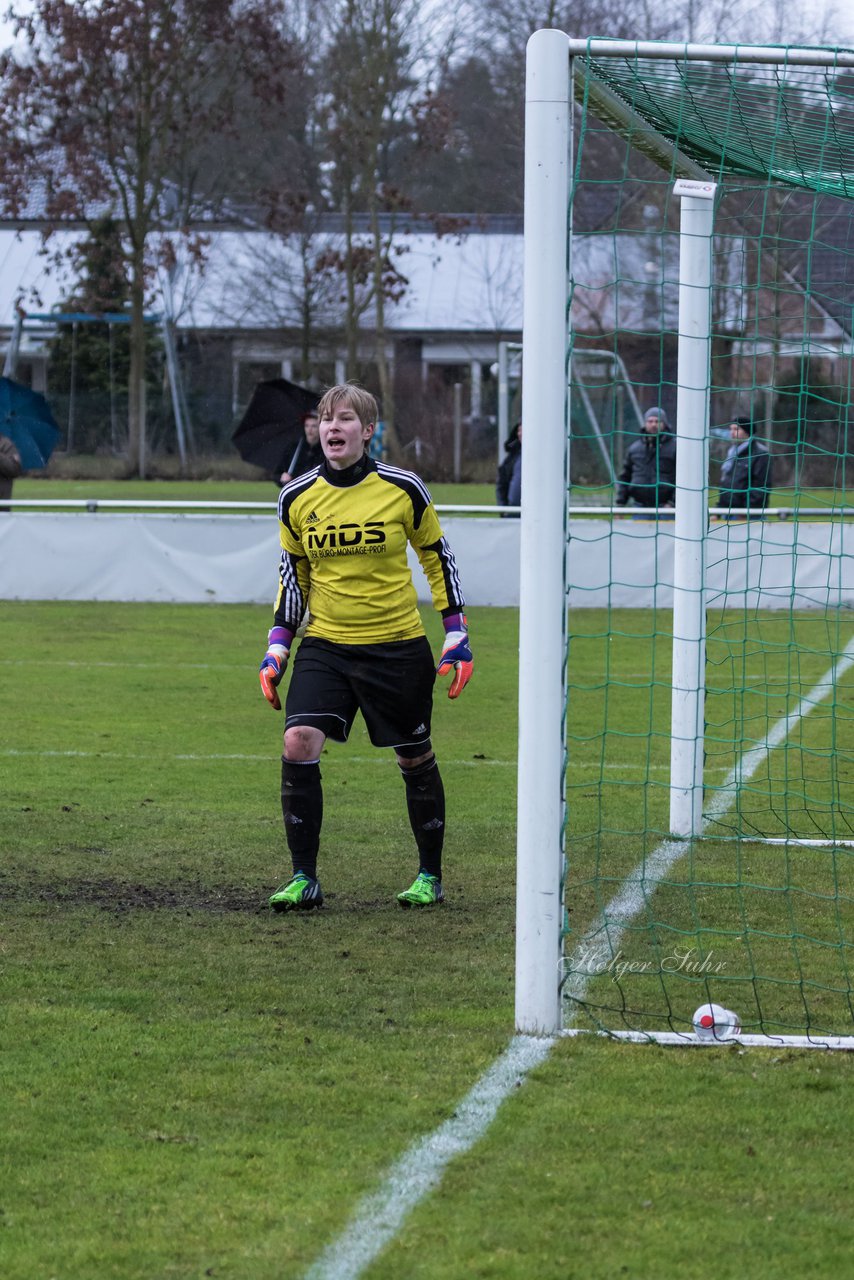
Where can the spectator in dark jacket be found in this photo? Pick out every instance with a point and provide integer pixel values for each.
(648, 477)
(308, 453)
(508, 485)
(745, 472)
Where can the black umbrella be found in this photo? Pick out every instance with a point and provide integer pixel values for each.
(271, 427)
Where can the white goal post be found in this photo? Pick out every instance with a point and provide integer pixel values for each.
(542, 602)
(543, 585)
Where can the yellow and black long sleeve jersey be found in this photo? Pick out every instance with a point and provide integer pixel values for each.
(344, 536)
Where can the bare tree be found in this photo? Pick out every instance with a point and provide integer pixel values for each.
(378, 73)
(104, 105)
(282, 284)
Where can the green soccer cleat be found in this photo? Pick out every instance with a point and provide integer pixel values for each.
(301, 893)
(425, 891)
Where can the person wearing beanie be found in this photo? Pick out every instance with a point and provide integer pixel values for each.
(648, 475)
(745, 473)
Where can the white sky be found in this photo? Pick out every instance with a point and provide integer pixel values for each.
(837, 14)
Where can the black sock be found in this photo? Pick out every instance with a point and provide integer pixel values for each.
(302, 810)
(425, 800)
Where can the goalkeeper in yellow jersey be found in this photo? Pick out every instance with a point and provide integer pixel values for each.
(344, 529)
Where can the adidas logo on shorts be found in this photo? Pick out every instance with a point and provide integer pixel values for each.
(422, 728)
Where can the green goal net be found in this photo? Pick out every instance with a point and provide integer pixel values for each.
(722, 682)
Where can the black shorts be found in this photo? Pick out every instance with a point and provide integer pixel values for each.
(391, 684)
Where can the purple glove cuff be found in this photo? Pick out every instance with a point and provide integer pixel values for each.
(455, 622)
(281, 635)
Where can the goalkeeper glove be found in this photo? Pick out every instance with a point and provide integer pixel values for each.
(272, 668)
(456, 654)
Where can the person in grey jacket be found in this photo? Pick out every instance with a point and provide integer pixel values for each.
(648, 477)
(745, 473)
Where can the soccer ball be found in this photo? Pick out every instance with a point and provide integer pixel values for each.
(713, 1023)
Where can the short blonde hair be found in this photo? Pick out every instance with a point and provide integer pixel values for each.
(356, 398)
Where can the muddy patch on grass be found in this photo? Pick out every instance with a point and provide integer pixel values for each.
(123, 896)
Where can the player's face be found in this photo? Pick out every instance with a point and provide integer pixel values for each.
(343, 436)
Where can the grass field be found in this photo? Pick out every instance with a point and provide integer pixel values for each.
(191, 1086)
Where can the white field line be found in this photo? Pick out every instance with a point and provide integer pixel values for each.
(419, 1171)
(377, 758)
(636, 890)
(612, 676)
(249, 758)
(133, 666)
(643, 677)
